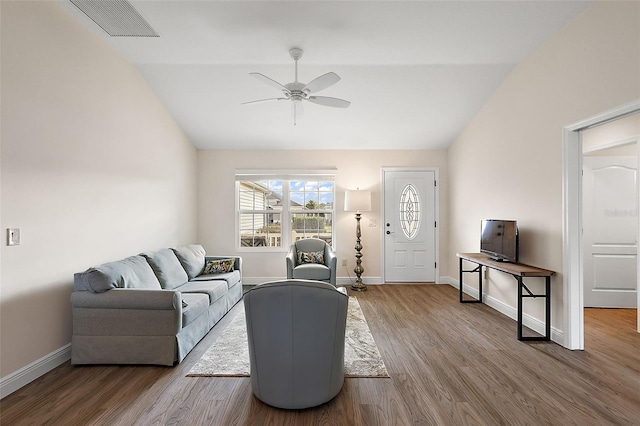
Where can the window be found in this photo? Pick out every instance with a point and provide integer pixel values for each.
(410, 211)
(275, 210)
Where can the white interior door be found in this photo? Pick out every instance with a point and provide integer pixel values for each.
(610, 213)
(409, 226)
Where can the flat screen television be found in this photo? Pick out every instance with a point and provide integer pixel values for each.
(499, 239)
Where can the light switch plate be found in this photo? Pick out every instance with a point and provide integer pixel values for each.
(13, 236)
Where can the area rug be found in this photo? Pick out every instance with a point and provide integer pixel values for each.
(229, 354)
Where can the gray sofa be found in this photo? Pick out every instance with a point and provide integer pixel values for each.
(152, 308)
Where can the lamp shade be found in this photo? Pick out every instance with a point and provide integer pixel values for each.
(357, 201)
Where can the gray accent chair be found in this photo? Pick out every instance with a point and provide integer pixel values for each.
(312, 271)
(296, 335)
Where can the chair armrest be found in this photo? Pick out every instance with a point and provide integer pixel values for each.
(331, 259)
(291, 263)
(127, 298)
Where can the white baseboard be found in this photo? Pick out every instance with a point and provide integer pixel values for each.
(350, 280)
(339, 280)
(259, 280)
(31, 372)
(448, 280)
(512, 312)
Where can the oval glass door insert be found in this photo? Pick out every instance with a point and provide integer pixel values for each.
(410, 211)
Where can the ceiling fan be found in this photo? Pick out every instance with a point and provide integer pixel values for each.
(297, 92)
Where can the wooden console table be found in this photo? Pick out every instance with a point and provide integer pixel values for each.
(519, 271)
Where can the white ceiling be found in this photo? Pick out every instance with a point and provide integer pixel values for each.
(416, 72)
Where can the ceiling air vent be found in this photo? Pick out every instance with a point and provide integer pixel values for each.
(117, 17)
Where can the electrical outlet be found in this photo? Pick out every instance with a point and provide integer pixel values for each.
(13, 236)
(344, 262)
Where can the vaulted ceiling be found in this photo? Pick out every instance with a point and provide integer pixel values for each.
(416, 72)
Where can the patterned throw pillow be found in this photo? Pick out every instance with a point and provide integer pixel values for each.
(310, 257)
(219, 266)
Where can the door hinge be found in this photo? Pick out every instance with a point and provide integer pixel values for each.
(435, 265)
(435, 183)
(435, 224)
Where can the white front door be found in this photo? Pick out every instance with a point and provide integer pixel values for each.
(610, 233)
(409, 226)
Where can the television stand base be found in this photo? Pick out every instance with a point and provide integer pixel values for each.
(519, 271)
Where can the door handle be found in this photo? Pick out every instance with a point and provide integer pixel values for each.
(389, 232)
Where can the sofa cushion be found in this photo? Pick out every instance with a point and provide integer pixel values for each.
(191, 257)
(167, 268)
(131, 272)
(231, 278)
(193, 306)
(312, 271)
(214, 289)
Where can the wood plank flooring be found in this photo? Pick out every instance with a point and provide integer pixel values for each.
(450, 364)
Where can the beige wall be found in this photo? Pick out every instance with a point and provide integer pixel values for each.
(93, 170)
(363, 169)
(508, 161)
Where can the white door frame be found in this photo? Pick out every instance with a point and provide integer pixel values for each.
(572, 281)
(436, 172)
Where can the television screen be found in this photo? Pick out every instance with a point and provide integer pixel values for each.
(499, 239)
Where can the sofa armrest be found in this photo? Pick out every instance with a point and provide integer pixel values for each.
(237, 265)
(122, 298)
(127, 312)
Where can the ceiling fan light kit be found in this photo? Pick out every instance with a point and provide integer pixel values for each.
(297, 92)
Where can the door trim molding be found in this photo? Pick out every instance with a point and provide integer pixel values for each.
(613, 144)
(436, 172)
(572, 253)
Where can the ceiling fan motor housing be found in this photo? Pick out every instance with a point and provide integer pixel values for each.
(296, 90)
(296, 53)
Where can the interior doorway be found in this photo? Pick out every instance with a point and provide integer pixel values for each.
(610, 213)
(573, 260)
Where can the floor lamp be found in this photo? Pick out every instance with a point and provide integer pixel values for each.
(358, 201)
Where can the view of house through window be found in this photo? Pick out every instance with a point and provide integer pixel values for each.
(275, 213)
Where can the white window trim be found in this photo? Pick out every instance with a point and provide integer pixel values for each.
(285, 176)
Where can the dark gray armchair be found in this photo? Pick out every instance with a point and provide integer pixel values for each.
(296, 334)
(325, 271)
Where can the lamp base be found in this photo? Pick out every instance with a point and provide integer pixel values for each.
(358, 287)
(359, 270)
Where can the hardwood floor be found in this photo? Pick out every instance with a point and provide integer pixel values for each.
(450, 364)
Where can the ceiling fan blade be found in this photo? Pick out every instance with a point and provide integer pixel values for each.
(270, 81)
(262, 100)
(331, 102)
(322, 82)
